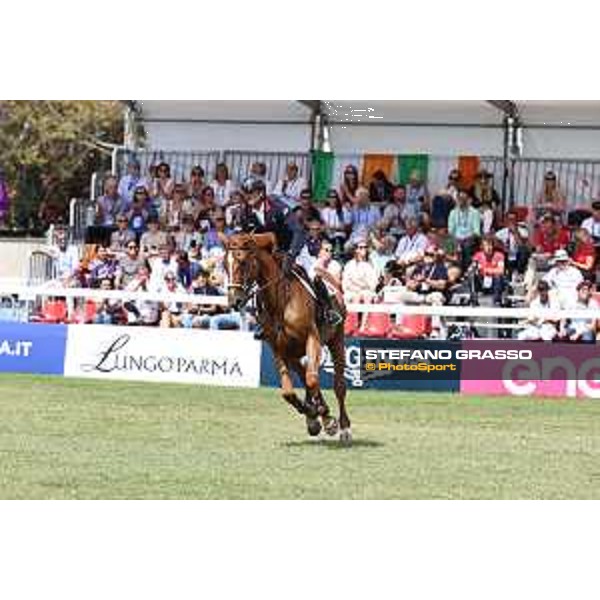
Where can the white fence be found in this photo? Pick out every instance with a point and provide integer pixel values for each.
(460, 312)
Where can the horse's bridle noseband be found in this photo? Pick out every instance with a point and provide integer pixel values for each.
(250, 289)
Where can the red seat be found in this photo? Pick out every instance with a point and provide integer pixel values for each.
(53, 311)
(351, 324)
(411, 327)
(375, 325)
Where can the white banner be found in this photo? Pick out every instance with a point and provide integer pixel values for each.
(227, 358)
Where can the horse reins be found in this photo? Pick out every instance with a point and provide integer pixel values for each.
(252, 291)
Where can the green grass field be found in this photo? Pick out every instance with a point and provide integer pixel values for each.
(63, 438)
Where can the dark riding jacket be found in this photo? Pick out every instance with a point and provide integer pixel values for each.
(278, 219)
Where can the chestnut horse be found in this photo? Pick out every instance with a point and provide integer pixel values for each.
(287, 312)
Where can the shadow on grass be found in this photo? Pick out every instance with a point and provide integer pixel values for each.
(333, 444)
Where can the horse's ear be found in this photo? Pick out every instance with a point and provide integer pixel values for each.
(266, 241)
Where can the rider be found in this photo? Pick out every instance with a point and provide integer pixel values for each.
(262, 214)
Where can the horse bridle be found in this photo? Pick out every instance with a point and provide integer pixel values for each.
(250, 289)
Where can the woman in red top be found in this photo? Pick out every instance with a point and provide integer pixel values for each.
(550, 236)
(490, 269)
(584, 254)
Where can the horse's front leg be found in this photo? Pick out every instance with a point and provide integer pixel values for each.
(316, 406)
(287, 386)
(313, 386)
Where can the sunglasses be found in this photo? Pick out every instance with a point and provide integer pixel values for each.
(169, 279)
(362, 247)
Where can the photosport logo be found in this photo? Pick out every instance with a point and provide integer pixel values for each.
(115, 357)
(409, 360)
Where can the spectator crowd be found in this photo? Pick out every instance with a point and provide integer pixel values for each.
(378, 241)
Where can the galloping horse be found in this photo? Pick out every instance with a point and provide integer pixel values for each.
(287, 311)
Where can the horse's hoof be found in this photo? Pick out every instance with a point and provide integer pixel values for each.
(345, 437)
(313, 427)
(331, 425)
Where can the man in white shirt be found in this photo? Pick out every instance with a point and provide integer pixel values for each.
(592, 224)
(582, 330)
(290, 187)
(412, 245)
(563, 278)
(541, 328)
(514, 237)
(66, 257)
(161, 264)
(171, 311)
(142, 311)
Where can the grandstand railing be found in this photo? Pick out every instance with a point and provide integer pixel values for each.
(181, 162)
(82, 214)
(240, 162)
(97, 294)
(53, 289)
(40, 269)
(578, 179)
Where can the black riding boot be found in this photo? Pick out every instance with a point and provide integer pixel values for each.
(327, 314)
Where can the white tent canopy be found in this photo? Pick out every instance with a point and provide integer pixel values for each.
(227, 124)
(441, 128)
(551, 129)
(557, 113)
(561, 128)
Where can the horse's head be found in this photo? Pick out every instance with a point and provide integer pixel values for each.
(242, 265)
